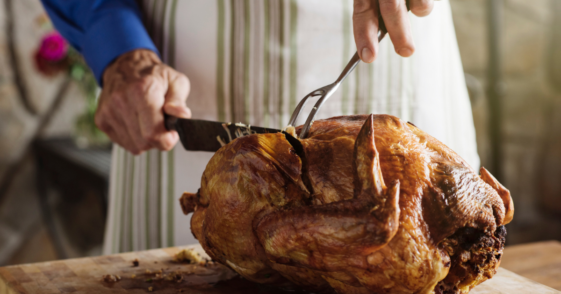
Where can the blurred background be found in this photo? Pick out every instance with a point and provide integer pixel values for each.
(54, 164)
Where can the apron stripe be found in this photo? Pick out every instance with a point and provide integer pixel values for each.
(402, 111)
(155, 34)
(130, 202)
(411, 92)
(281, 64)
(370, 93)
(357, 89)
(153, 18)
(397, 86)
(274, 80)
(232, 60)
(246, 84)
(124, 210)
(293, 54)
(161, 28)
(122, 195)
(238, 59)
(154, 194)
(147, 196)
(171, 199)
(220, 62)
(266, 60)
(388, 78)
(142, 181)
(346, 52)
(365, 87)
(171, 35)
(118, 198)
(159, 197)
(124, 203)
(256, 65)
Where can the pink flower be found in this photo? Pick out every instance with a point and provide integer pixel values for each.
(53, 47)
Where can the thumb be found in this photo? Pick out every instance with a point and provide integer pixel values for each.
(176, 96)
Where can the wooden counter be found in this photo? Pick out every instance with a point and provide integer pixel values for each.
(540, 262)
(84, 275)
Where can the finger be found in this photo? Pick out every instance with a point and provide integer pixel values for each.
(128, 130)
(150, 115)
(126, 122)
(365, 29)
(133, 129)
(394, 13)
(151, 122)
(176, 96)
(105, 123)
(176, 103)
(421, 7)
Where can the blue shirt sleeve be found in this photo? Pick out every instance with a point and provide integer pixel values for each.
(101, 30)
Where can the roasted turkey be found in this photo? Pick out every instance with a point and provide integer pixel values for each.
(365, 204)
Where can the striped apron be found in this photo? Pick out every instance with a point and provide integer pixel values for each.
(251, 61)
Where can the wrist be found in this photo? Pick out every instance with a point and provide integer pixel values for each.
(131, 63)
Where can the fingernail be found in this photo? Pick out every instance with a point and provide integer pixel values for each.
(367, 55)
(405, 52)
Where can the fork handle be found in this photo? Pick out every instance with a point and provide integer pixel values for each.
(349, 68)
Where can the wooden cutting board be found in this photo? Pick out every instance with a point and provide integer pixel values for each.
(540, 262)
(85, 275)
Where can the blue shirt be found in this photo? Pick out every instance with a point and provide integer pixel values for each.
(101, 30)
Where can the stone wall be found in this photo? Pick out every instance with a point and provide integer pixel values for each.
(530, 50)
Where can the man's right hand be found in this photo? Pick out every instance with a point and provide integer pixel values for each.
(138, 89)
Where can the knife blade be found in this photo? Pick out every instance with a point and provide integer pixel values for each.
(204, 135)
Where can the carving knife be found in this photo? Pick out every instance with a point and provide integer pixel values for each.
(204, 135)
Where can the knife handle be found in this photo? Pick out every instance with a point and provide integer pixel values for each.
(170, 122)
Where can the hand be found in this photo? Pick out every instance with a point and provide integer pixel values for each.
(138, 89)
(394, 13)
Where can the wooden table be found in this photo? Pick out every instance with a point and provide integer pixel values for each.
(84, 275)
(540, 262)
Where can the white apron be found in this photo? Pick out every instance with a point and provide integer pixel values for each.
(251, 61)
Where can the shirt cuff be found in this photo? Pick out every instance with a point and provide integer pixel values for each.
(115, 32)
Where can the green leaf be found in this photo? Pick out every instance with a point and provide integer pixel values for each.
(77, 72)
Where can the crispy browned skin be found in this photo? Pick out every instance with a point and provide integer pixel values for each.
(369, 205)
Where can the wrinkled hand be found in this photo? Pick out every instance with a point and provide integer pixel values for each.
(394, 13)
(138, 89)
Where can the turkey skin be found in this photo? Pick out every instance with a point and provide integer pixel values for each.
(365, 204)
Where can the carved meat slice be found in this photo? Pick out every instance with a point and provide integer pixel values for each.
(365, 204)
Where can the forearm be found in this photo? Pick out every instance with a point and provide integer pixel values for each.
(100, 30)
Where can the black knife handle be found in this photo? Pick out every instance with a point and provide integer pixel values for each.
(170, 122)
